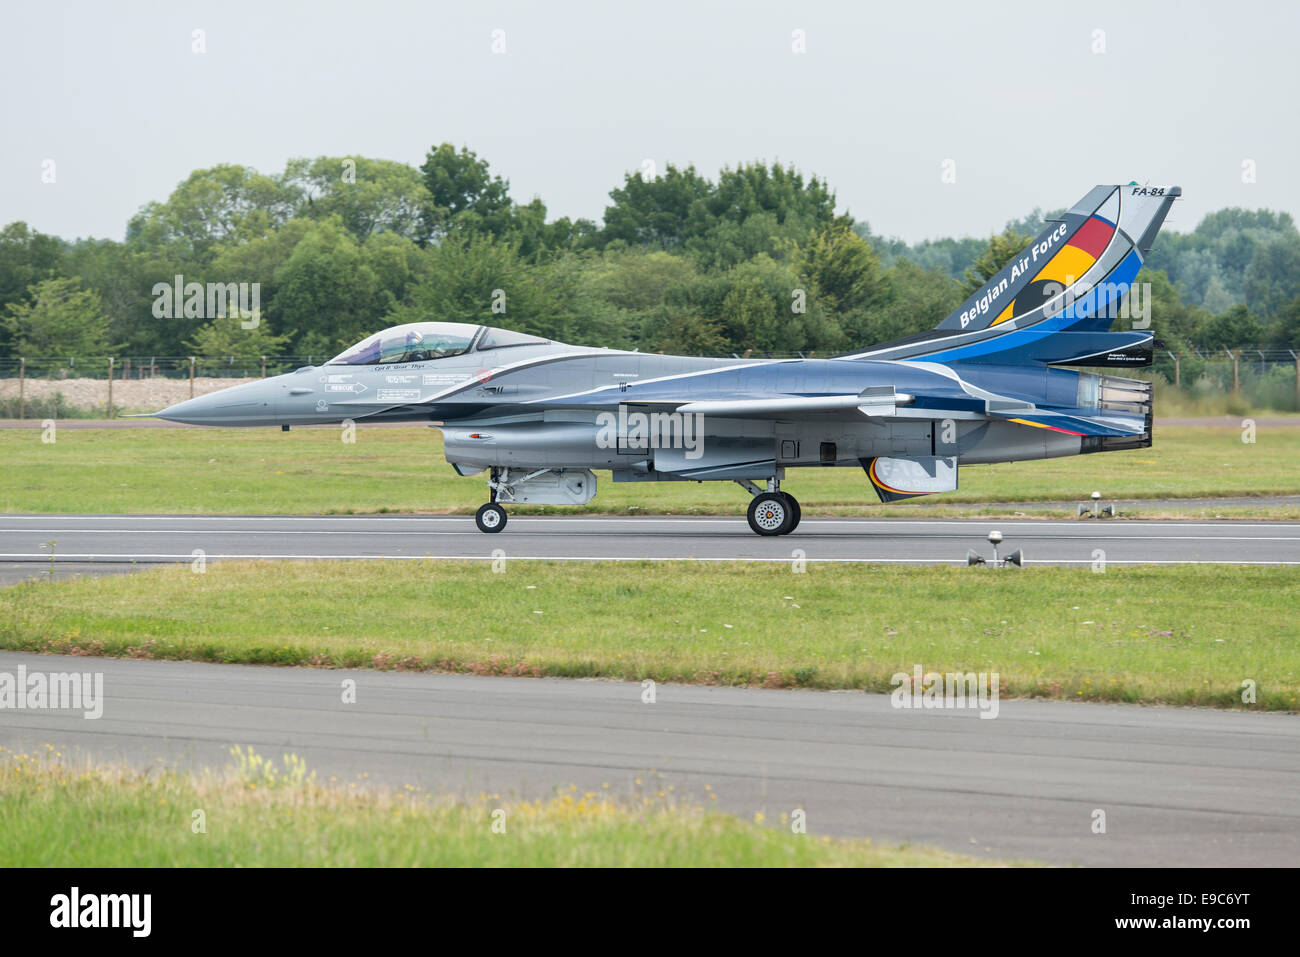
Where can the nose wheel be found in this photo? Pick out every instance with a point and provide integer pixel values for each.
(490, 517)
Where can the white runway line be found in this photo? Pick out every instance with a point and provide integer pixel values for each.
(186, 558)
(612, 520)
(255, 531)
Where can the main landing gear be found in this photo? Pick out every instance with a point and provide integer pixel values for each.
(772, 512)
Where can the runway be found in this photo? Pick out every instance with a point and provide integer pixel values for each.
(99, 544)
(1178, 786)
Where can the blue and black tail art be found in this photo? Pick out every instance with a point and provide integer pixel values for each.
(1055, 302)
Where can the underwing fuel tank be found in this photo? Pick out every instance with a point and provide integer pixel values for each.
(533, 445)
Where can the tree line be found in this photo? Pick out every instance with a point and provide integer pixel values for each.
(754, 260)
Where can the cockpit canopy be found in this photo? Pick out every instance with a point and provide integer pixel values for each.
(422, 341)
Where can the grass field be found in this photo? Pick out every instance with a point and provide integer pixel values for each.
(1186, 635)
(55, 815)
(310, 471)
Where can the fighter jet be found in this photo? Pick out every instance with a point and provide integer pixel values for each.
(989, 384)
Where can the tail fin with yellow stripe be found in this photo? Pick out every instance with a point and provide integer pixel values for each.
(1055, 301)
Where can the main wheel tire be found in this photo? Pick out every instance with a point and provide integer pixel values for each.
(490, 517)
(770, 514)
(796, 513)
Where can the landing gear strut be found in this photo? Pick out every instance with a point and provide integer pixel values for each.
(491, 517)
(539, 486)
(772, 512)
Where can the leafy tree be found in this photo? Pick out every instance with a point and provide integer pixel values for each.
(328, 291)
(396, 262)
(843, 270)
(1273, 277)
(1211, 264)
(59, 318)
(638, 281)
(1174, 321)
(752, 209)
(916, 300)
(124, 279)
(341, 246)
(462, 189)
(368, 195)
(537, 239)
(223, 204)
(753, 307)
(950, 256)
(1285, 333)
(463, 274)
(26, 257)
(634, 284)
(260, 259)
(477, 278)
(655, 212)
(687, 333)
(1230, 330)
(228, 337)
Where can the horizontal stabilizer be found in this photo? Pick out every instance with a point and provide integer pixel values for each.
(1076, 421)
(1117, 414)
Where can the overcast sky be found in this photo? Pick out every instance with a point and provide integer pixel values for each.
(1012, 93)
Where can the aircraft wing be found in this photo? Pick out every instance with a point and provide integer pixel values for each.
(872, 401)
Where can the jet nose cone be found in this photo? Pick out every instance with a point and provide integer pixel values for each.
(196, 411)
(248, 404)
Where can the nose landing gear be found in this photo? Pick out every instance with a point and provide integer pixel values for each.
(490, 517)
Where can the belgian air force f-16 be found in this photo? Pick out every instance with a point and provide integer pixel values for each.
(986, 385)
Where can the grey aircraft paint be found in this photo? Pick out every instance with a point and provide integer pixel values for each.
(985, 386)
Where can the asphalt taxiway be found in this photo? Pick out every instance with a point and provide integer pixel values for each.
(102, 544)
(1176, 786)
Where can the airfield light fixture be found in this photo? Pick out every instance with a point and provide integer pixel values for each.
(1016, 558)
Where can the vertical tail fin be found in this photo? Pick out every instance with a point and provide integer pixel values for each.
(1055, 301)
(1103, 238)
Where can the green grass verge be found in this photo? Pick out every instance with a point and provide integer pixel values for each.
(54, 815)
(1187, 635)
(258, 471)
